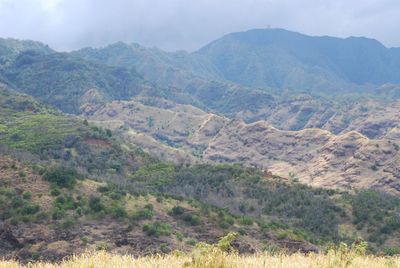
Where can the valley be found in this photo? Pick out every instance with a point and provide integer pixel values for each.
(139, 151)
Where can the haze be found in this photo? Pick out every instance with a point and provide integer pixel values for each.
(189, 24)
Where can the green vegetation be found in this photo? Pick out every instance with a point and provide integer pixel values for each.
(93, 177)
(61, 176)
(378, 212)
(52, 136)
(157, 228)
(313, 210)
(15, 208)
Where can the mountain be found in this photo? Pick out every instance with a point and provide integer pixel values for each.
(11, 47)
(186, 134)
(193, 74)
(177, 67)
(67, 82)
(67, 186)
(272, 69)
(140, 151)
(283, 59)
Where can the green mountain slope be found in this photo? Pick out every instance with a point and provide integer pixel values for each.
(176, 68)
(11, 47)
(284, 59)
(67, 82)
(38, 133)
(191, 73)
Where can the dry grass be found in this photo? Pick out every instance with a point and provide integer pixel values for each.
(217, 259)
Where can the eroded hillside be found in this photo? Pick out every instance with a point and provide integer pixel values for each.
(317, 157)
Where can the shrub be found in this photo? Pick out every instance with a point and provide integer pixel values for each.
(95, 204)
(242, 231)
(102, 246)
(118, 212)
(78, 211)
(68, 223)
(195, 220)
(392, 251)
(191, 242)
(85, 240)
(144, 213)
(57, 214)
(55, 191)
(224, 225)
(27, 195)
(177, 210)
(103, 189)
(179, 236)
(61, 176)
(157, 229)
(246, 220)
(30, 209)
(149, 207)
(192, 219)
(16, 202)
(41, 216)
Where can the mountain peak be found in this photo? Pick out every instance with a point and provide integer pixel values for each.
(284, 59)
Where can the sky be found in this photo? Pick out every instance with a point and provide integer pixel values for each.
(189, 24)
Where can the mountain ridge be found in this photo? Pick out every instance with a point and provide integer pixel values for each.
(330, 54)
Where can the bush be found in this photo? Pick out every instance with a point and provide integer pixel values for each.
(95, 204)
(41, 216)
(118, 212)
(61, 176)
(85, 240)
(57, 214)
(191, 242)
(27, 195)
(192, 219)
(102, 246)
(195, 220)
(55, 191)
(177, 210)
(17, 202)
(145, 213)
(246, 220)
(30, 209)
(157, 229)
(68, 223)
(392, 251)
(103, 189)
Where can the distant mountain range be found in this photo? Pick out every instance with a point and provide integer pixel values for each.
(240, 70)
(274, 58)
(280, 58)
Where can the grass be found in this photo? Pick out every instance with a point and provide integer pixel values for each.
(221, 255)
(216, 260)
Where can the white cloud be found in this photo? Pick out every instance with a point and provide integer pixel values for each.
(189, 24)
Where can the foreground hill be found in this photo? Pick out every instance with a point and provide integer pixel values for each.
(67, 185)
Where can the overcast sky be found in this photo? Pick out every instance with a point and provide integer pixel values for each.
(189, 24)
